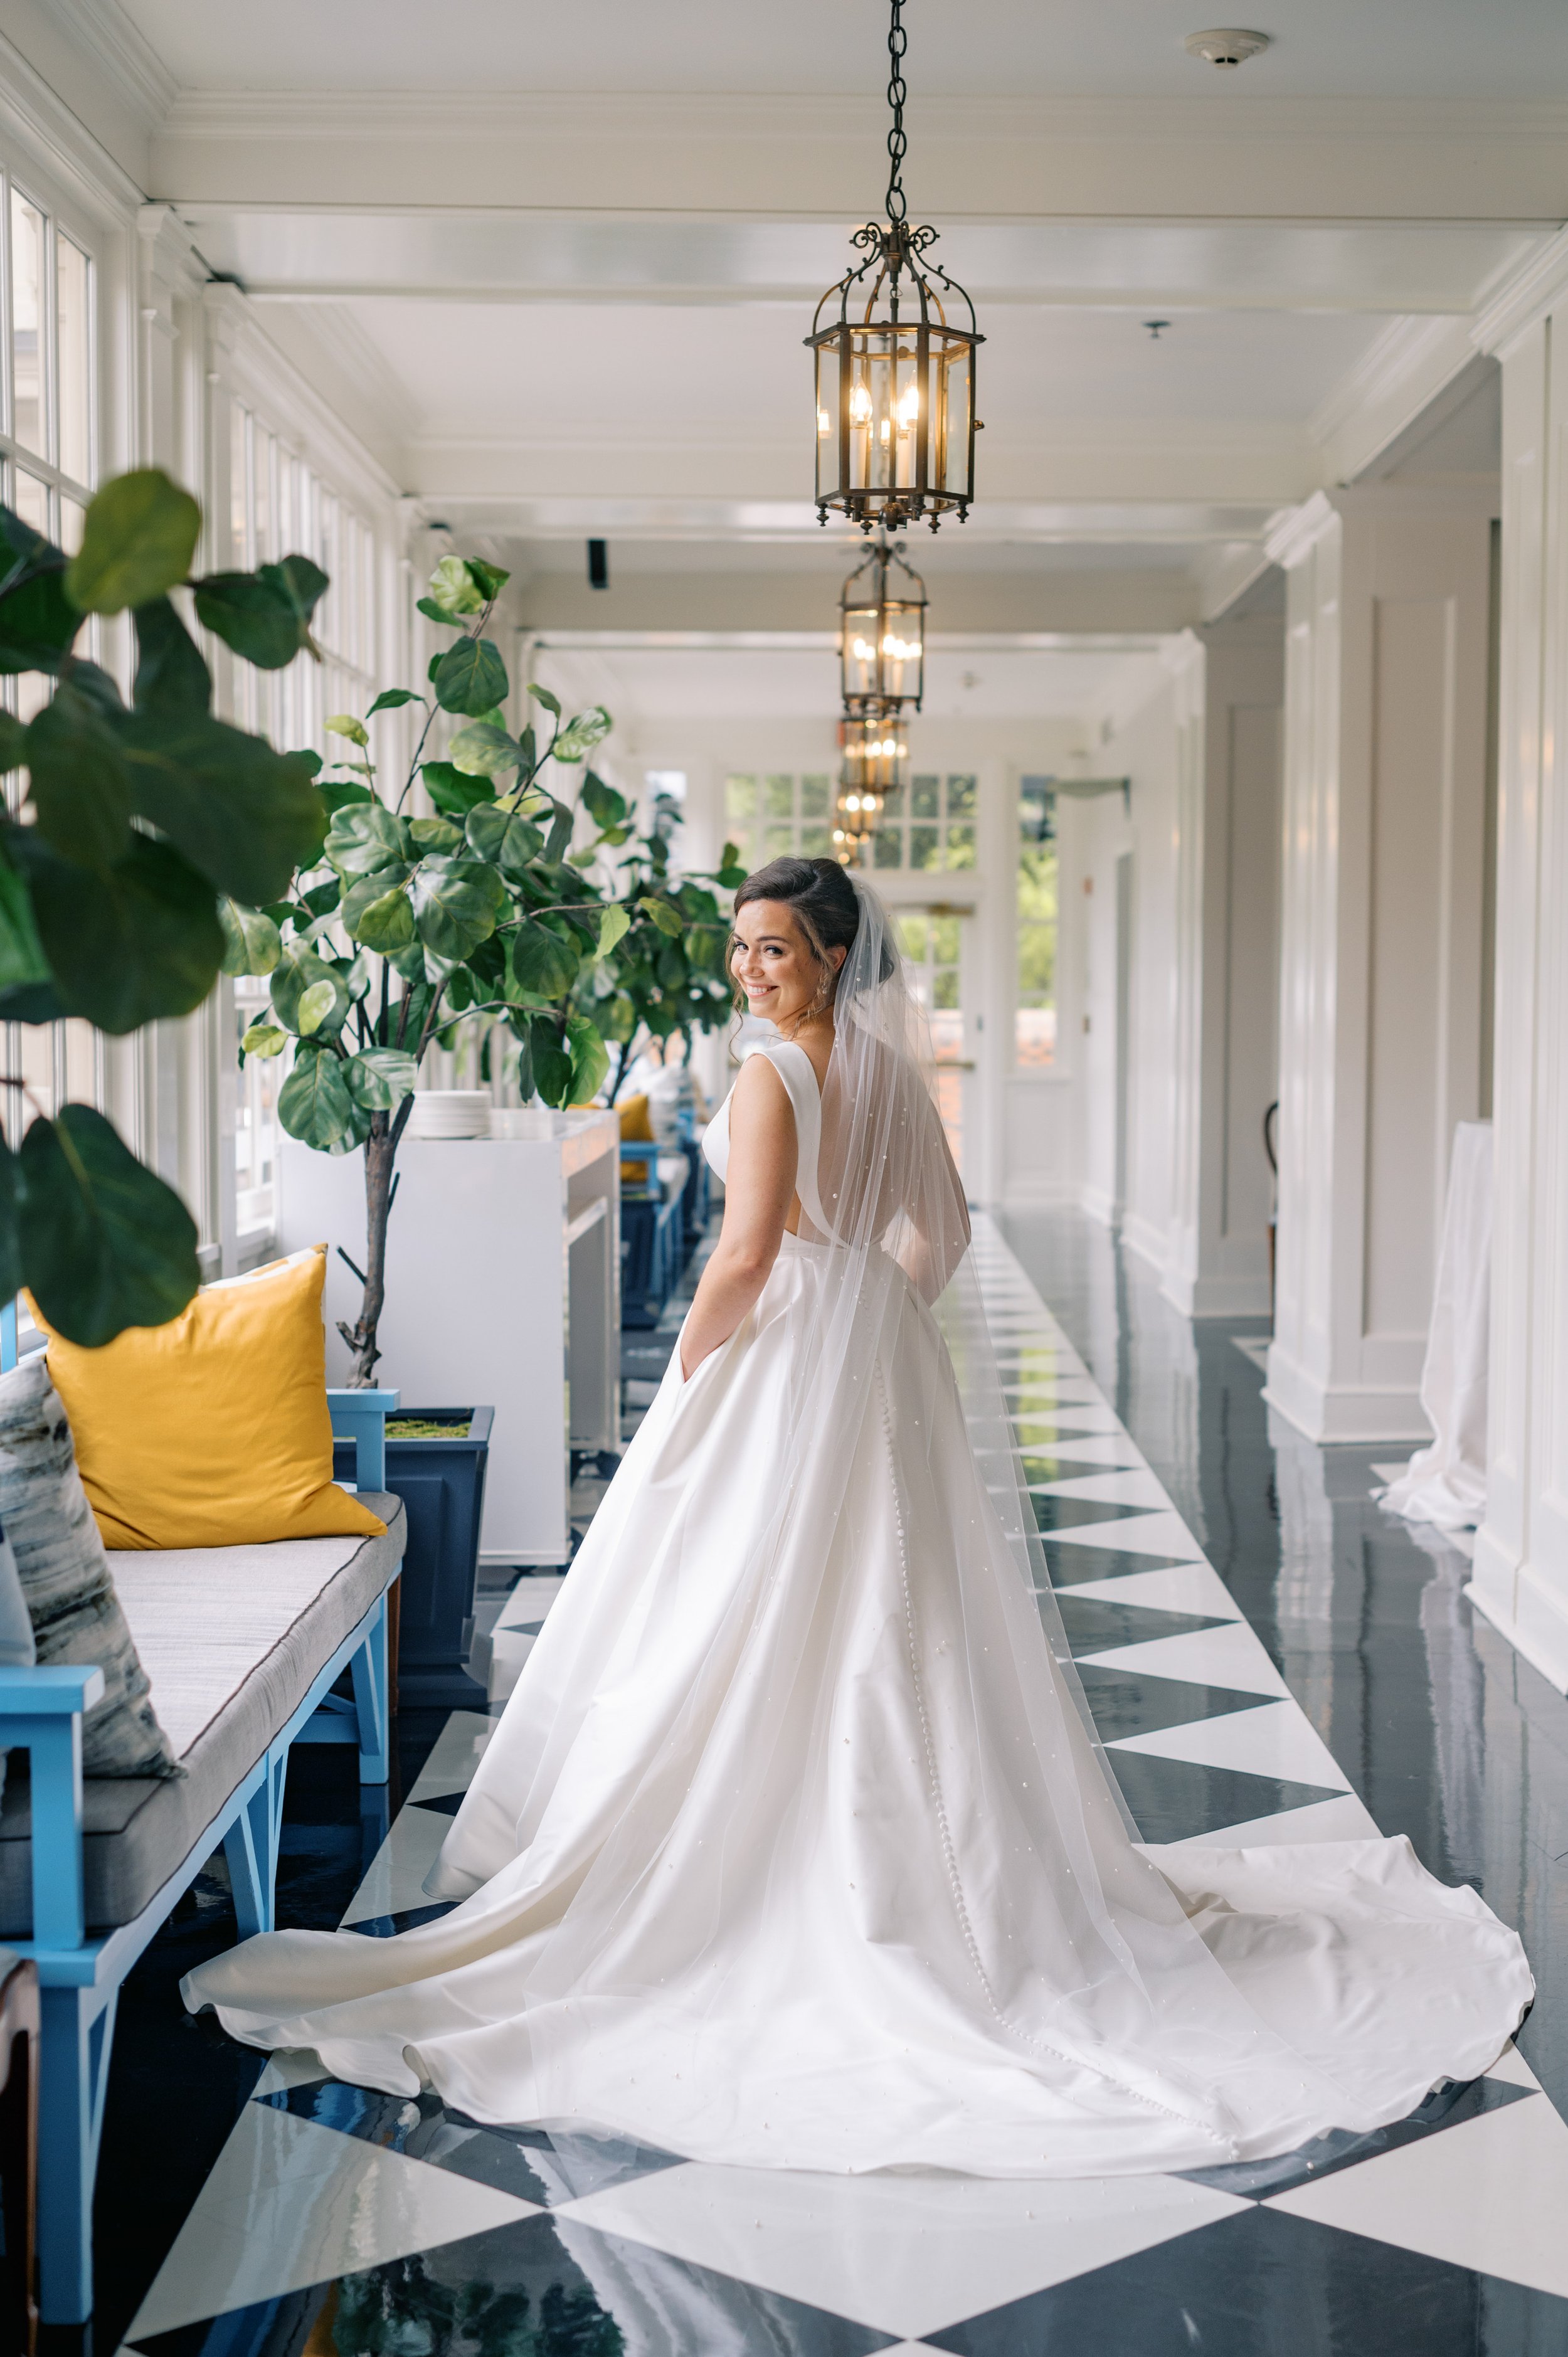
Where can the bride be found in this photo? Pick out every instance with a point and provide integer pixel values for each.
(794, 1846)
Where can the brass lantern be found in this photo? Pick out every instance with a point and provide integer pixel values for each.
(894, 344)
(875, 755)
(882, 632)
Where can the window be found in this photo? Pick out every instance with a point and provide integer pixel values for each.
(928, 824)
(769, 816)
(933, 942)
(1035, 1023)
(255, 1114)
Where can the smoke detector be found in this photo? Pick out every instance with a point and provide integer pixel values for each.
(1226, 44)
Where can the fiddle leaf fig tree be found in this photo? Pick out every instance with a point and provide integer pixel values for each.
(137, 826)
(409, 921)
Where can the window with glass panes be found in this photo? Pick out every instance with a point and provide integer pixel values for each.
(927, 825)
(49, 425)
(768, 815)
(1035, 1022)
(278, 505)
(932, 944)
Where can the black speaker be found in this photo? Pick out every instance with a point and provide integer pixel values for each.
(598, 565)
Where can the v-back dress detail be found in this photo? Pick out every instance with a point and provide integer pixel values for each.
(791, 1846)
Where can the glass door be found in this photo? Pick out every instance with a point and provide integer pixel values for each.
(935, 941)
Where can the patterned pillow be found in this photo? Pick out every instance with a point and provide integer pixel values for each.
(65, 1575)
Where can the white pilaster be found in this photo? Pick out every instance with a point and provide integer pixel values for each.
(1228, 971)
(1386, 678)
(1521, 1549)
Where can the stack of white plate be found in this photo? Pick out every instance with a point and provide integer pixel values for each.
(450, 1113)
(521, 1121)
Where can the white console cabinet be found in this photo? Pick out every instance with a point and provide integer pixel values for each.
(503, 1289)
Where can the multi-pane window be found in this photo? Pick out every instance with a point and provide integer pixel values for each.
(1035, 1023)
(255, 1114)
(47, 431)
(770, 816)
(932, 944)
(930, 824)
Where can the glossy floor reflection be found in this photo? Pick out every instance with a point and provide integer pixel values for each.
(1268, 1672)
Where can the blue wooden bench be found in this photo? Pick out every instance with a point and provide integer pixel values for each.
(79, 1976)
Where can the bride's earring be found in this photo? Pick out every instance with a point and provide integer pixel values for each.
(825, 991)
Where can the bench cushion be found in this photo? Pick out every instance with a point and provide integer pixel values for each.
(232, 1639)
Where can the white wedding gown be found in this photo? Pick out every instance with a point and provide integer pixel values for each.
(792, 1846)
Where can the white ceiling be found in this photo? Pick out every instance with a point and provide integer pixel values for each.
(1397, 49)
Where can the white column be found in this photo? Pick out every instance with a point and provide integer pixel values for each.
(1521, 1550)
(1386, 698)
(1228, 968)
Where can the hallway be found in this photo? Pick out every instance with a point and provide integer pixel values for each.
(335, 2219)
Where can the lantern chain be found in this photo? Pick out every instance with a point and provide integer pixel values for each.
(897, 42)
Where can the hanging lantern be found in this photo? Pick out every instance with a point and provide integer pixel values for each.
(882, 632)
(876, 753)
(895, 342)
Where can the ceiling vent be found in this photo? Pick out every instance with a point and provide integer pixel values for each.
(1226, 44)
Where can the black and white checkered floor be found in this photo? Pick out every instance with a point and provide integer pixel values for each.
(339, 2224)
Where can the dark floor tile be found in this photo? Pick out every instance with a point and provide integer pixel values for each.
(1445, 2107)
(1094, 1624)
(1261, 2283)
(444, 1804)
(1079, 1561)
(405, 1918)
(541, 2287)
(1127, 1702)
(1053, 1513)
(1172, 1800)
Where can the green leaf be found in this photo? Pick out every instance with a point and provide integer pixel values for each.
(357, 981)
(264, 1039)
(390, 698)
(542, 695)
(470, 677)
(603, 805)
(137, 540)
(588, 730)
(343, 724)
(380, 1078)
(365, 837)
(23, 966)
(542, 961)
(453, 591)
(552, 1062)
(508, 841)
(247, 817)
(455, 903)
(436, 834)
(251, 942)
(12, 742)
(322, 899)
(314, 1006)
(560, 834)
(733, 876)
(126, 945)
(590, 1058)
(667, 919)
(379, 912)
(336, 793)
(258, 615)
(81, 789)
(454, 790)
(297, 973)
(481, 749)
(614, 925)
(171, 674)
(37, 620)
(488, 578)
(313, 1105)
(105, 1244)
(433, 613)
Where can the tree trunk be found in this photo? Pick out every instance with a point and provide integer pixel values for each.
(381, 1151)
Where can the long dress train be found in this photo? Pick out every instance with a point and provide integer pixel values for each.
(794, 1848)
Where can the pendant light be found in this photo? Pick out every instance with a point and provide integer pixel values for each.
(875, 755)
(895, 342)
(882, 632)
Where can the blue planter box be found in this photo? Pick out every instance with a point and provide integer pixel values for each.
(442, 1485)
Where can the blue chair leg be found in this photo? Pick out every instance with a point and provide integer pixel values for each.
(78, 2027)
(251, 1847)
(369, 1668)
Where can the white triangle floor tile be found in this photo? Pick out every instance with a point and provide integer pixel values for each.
(1156, 1534)
(1183, 1587)
(289, 2066)
(1345, 1818)
(1032, 1413)
(1232, 1656)
(291, 2203)
(396, 1880)
(453, 1756)
(1097, 1448)
(1277, 1739)
(1512, 2065)
(908, 2255)
(1134, 1488)
(1490, 2194)
(528, 1602)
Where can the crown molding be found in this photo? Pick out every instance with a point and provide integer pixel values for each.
(1406, 368)
(1526, 296)
(47, 130)
(122, 53)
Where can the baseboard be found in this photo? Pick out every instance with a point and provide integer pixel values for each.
(1150, 1244)
(1224, 1295)
(1036, 1195)
(1536, 1628)
(1098, 1204)
(1330, 1413)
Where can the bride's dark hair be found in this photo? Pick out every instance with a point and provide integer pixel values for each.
(822, 898)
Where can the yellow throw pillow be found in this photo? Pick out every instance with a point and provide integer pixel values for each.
(634, 1125)
(213, 1430)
